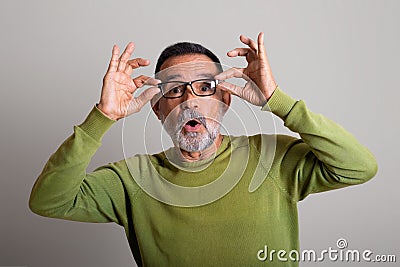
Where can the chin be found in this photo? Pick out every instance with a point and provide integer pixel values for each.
(195, 142)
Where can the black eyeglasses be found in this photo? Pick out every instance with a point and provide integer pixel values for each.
(176, 89)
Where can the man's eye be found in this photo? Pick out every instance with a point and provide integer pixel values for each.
(206, 87)
(176, 90)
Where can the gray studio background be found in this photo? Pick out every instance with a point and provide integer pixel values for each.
(341, 57)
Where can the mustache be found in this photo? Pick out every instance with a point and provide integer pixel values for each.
(190, 114)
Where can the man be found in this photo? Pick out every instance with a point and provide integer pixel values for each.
(170, 226)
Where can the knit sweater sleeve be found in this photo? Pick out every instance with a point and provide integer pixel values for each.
(64, 190)
(326, 157)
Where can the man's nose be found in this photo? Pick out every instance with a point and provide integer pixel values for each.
(190, 100)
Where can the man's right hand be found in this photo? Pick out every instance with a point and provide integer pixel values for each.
(117, 100)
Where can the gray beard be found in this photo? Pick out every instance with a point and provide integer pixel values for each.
(192, 141)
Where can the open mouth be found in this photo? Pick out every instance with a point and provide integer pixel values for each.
(192, 125)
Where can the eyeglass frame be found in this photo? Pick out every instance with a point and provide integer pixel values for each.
(185, 84)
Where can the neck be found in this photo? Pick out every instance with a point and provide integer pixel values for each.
(204, 154)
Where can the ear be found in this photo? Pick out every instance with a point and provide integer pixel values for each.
(155, 105)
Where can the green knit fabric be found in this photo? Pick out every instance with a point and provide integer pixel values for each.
(226, 232)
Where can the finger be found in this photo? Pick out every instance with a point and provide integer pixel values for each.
(261, 48)
(239, 52)
(230, 88)
(114, 59)
(246, 40)
(145, 80)
(262, 52)
(140, 80)
(134, 64)
(146, 96)
(152, 81)
(138, 62)
(125, 56)
(230, 73)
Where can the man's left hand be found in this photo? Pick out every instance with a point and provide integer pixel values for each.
(260, 83)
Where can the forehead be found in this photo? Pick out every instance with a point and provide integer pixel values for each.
(187, 68)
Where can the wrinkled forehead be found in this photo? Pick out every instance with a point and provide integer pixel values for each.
(188, 71)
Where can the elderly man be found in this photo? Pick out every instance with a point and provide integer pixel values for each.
(169, 203)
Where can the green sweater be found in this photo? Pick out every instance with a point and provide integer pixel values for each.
(260, 210)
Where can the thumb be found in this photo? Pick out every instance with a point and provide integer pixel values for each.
(146, 96)
(231, 88)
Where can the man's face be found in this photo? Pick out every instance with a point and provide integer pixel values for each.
(192, 121)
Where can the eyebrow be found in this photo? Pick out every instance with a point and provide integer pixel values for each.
(175, 76)
(172, 77)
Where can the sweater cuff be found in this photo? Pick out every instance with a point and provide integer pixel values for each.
(279, 103)
(96, 124)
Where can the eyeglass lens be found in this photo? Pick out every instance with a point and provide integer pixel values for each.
(177, 89)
